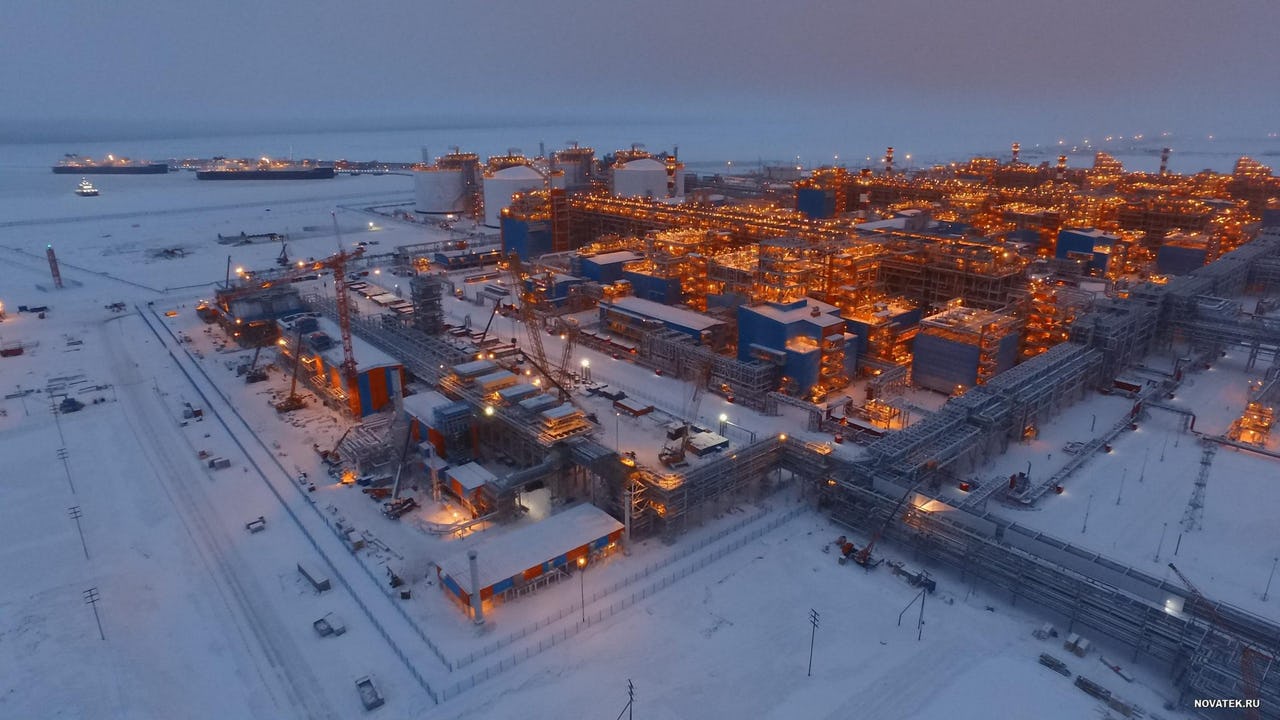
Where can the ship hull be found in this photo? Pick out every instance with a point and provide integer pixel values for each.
(149, 169)
(319, 173)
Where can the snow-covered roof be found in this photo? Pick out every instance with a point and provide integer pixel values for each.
(613, 257)
(560, 412)
(470, 476)
(665, 313)
(474, 368)
(422, 405)
(367, 356)
(1090, 232)
(826, 317)
(538, 402)
(503, 556)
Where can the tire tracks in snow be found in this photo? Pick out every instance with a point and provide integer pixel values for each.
(287, 669)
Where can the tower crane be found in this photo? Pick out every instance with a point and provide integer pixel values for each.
(294, 401)
(338, 263)
(1249, 656)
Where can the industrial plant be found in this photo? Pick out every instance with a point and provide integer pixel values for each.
(529, 385)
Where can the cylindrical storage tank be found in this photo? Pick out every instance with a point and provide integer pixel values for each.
(645, 177)
(501, 185)
(576, 162)
(439, 192)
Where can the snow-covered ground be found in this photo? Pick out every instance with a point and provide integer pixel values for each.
(203, 619)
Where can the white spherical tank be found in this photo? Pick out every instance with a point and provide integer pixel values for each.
(437, 192)
(501, 185)
(644, 177)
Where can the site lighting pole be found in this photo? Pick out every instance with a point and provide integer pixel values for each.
(582, 585)
(586, 370)
(1269, 578)
(724, 419)
(617, 434)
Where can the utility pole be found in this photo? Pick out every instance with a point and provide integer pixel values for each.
(74, 512)
(631, 699)
(1085, 527)
(813, 633)
(62, 455)
(91, 599)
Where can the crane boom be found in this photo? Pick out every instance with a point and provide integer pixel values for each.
(864, 555)
(349, 371)
(1249, 656)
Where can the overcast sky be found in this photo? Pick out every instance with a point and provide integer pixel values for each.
(1044, 67)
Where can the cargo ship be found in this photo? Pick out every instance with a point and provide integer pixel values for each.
(111, 165)
(264, 169)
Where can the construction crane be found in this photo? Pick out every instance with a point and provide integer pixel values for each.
(294, 401)
(863, 557)
(529, 303)
(569, 338)
(338, 263)
(255, 374)
(671, 455)
(1249, 656)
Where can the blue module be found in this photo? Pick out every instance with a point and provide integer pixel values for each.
(605, 268)
(654, 288)
(528, 239)
(942, 364)
(1180, 260)
(816, 203)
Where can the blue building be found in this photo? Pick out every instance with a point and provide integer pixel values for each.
(807, 338)
(961, 347)
(1096, 245)
(1180, 254)
(527, 238)
(655, 288)
(604, 268)
(815, 202)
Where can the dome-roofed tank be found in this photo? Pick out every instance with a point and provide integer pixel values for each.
(439, 191)
(501, 185)
(643, 177)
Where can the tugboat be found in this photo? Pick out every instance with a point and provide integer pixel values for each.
(86, 189)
